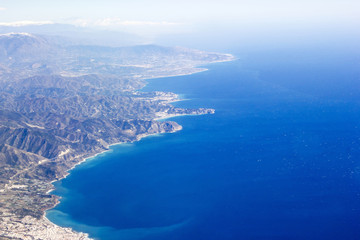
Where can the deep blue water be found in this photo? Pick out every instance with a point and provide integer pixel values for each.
(280, 159)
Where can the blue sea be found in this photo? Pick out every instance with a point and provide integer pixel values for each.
(280, 158)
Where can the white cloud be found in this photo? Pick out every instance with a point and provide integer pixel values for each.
(24, 23)
(2, 9)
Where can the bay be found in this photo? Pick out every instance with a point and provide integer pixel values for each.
(278, 160)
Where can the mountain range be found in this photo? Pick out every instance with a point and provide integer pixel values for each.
(61, 103)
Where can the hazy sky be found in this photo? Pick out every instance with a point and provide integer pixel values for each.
(211, 18)
(162, 13)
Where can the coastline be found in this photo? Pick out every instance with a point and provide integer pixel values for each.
(138, 138)
(141, 136)
(41, 227)
(197, 69)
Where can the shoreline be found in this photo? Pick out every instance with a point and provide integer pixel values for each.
(198, 69)
(154, 119)
(138, 138)
(44, 218)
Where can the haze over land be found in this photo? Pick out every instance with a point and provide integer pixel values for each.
(208, 25)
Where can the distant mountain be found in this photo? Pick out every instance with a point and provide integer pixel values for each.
(70, 34)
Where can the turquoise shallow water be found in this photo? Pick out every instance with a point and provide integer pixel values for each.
(278, 160)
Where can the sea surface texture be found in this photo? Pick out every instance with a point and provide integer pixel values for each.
(280, 158)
